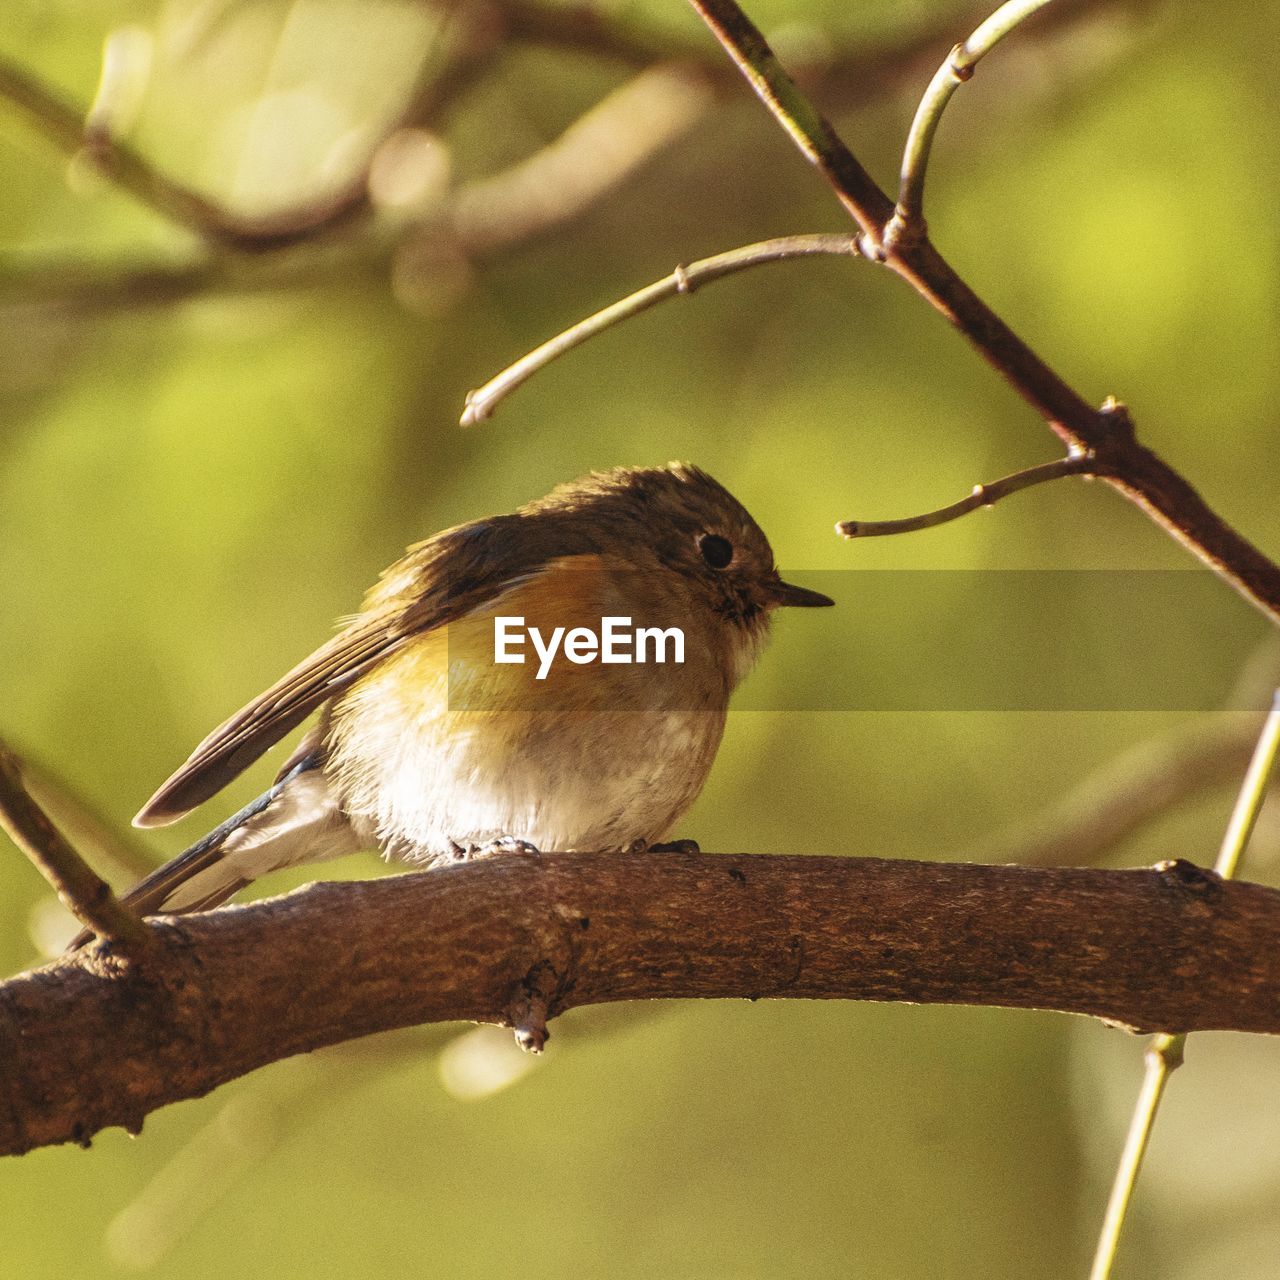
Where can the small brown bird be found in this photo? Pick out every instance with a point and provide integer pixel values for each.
(436, 741)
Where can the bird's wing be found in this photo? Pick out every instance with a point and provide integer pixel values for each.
(416, 594)
(239, 741)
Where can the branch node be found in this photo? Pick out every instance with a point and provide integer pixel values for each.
(1189, 878)
(871, 247)
(1166, 1053)
(1114, 416)
(960, 63)
(905, 230)
(532, 1007)
(531, 1027)
(533, 1038)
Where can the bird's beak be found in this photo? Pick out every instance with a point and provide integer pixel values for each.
(782, 594)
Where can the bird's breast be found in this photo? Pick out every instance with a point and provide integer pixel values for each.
(441, 744)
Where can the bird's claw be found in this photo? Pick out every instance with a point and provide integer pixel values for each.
(492, 848)
(675, 846)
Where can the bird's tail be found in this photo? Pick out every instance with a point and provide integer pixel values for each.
(296, 821)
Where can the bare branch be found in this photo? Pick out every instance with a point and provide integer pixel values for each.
(1108, 433)
(65, 127)
(588, 29)
(233, 989)
(84, 824)
(82, 891)
(812, 133)
(983, 495)
(958, 68)
(1167, 1050)
(1163, 1056)
(849, 75)
(682, 281)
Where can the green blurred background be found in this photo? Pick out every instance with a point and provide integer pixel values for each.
(208, 456)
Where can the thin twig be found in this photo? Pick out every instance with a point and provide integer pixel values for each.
(81, 133)
(983, 495)
(121, 164)
(1145, 781)
(1166, 1052)
(587, 28)
(958, 68)
(84, 893)
(1163, 1057)
(683, 280)
(65, 127)
(808, 128)
(480, 218)
(84, 825)
(1253, 791)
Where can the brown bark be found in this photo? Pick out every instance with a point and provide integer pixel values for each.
(92, 1040)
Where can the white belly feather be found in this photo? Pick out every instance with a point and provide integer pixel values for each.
(599, 783)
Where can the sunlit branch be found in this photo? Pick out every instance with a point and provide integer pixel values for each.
(683, 280)
(1163, 1056)
(847, 77)
(121, 164)
(958, 68)
(66, 128)
(983, 495)
(812, 133)
(593, 156)
(1166, 1052)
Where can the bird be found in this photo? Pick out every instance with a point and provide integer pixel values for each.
(431, 750)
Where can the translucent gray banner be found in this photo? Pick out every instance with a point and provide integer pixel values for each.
(914, 640)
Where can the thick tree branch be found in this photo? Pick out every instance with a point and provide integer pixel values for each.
(513, 940)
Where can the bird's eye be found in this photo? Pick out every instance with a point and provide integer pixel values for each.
(716, 551)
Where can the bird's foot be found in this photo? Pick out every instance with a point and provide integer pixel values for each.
(675, 846)
(470, 852)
